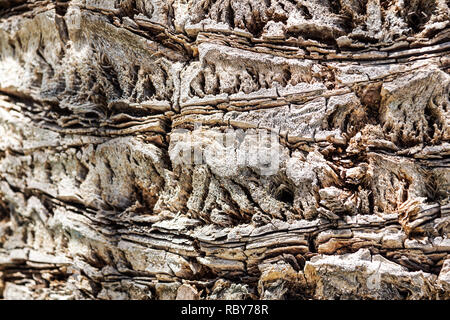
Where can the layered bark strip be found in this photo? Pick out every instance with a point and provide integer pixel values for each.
(224, 149)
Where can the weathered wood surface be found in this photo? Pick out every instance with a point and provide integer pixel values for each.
(97, 96)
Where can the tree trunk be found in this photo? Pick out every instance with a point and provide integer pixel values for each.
(224, 149)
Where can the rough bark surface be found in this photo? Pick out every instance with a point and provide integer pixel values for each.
(93, 97)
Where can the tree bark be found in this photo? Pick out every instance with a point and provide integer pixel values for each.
(224, 149)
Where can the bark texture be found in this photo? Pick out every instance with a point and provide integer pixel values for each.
(93, 97)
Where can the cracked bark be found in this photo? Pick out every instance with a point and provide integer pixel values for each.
(93, 97)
